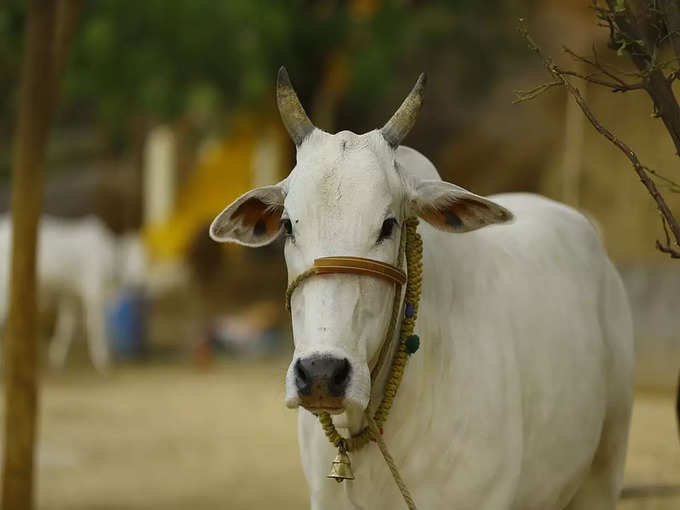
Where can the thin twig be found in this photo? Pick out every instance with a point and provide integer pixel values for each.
(594, 63)
(668, 218)
(667, 248)
(527, 95)
(672, 185)
(616, 87)
(673, 76)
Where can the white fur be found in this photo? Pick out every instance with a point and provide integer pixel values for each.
(80, 266)
(520, 395)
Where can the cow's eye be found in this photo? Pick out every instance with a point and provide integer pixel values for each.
(387, 228)
(287, 226)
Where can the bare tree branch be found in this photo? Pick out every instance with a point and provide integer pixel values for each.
(667, 248)
(595, 63)
(635, 28)
(615, 86)
(668, 218)
(527, 95)
(671, 184)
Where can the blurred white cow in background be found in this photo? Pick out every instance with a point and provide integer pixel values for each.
(81, 267)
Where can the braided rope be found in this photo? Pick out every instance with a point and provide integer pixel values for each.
(376, 364)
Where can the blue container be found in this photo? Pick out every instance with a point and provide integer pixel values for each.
(126, 325)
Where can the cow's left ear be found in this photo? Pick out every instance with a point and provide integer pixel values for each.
(454, 209)
(253, 219)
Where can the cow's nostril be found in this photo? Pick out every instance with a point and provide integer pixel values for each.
(302, 378)
(300, 371)
(339, 378)
(341, 373)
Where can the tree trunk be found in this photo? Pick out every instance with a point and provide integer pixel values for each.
(635, 21)
(49, 27)
(671, 11)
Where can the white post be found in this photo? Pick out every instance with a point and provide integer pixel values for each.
(266, 160)
(159, 176)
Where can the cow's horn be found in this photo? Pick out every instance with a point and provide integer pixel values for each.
(292, 113)
(405, 117)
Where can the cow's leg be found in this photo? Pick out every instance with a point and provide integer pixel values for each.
(96, 333)
(64, 332)
(600, 490)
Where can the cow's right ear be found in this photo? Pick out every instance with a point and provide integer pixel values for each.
(453, 209)
(253, 219)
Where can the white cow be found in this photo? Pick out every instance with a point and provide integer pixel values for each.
(81, 265)
(520, 396)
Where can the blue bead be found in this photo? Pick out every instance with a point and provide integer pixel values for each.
(412, 344)
(410, 310)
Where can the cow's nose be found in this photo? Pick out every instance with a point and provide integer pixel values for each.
(322, 376)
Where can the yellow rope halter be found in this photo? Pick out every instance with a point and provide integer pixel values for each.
(412, 245)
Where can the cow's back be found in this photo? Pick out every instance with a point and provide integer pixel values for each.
(74, 255)
(522, 312)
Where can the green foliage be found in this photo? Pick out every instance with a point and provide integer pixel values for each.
(400, 36)
(164, 59)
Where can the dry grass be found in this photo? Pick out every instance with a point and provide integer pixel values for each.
(653, 450)
(170, 438)
(159, 437)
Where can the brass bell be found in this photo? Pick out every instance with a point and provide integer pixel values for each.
(341, 468)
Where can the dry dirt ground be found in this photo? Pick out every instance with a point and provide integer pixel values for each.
(173, 437)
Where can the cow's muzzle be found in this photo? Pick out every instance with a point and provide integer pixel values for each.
(321, 382)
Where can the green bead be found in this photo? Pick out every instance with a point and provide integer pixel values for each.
(412, 343)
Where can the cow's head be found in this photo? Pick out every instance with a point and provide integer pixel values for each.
(347, 195)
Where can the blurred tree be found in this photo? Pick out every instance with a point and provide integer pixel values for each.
(197, 57)
(204, 59)
(49, 26)
(11, 26)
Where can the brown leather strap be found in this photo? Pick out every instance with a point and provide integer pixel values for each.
(359, 265)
